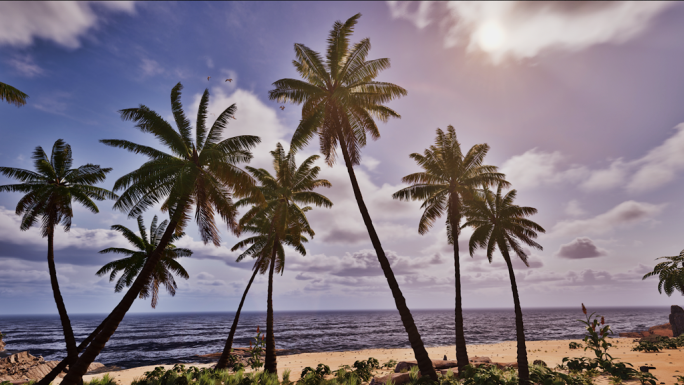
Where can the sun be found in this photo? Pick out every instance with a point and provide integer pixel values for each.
(491, 36)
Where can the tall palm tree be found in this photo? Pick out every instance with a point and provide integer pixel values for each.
(12, 95)
(130, 266)
(670, 274)
(276, 219)
(448, 179)
(340, 101)
(498, 223)
(200, 172)
(50, 192)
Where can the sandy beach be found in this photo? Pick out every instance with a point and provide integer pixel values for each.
(668, 363)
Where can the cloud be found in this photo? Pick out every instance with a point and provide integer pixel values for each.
(535, 168)
(25, 66)
(580, 248)
(63, 22)
(625, 214)
(574, 209)
(660, 165)
(150, 67)
(522, 29)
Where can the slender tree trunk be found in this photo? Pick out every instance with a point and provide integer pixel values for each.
(223, 361)
(461, 350)
(76, 372)
(72, 351)
(424, 362)
(271, 364)
(63, 364)
(523, 365)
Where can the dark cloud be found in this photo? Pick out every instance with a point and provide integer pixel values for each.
(69, 255)
(580, 248)
(345, 236)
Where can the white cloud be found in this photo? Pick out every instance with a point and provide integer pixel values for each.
(536, 168)
(660, 165)
(150, 67)
(580, 248)
(573, 208)
(625, 214)
(64, 22)
(525, 29)
(25, 66)
(611, 177)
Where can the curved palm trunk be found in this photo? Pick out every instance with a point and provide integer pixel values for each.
(72, 351)
(523, 365)
(424, 362)
(93, 350)
(271, 365)
(461, 350)
(223, 361)
(63, 364)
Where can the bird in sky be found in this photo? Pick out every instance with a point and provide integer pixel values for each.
(208, 78)
(282, 108)
(229, 80)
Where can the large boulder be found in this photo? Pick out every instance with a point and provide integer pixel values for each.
(677, 320)
(397, 378)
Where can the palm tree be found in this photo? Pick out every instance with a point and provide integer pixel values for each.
(12, 95)
(130, 267)
(276, 219)
(449, 178)
(500, 223)
(200, 172)
(50, 192)
(671, 274)
(340, 101)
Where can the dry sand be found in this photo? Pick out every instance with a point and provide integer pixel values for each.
(668, 363)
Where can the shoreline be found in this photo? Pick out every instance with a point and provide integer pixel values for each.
(668, 363)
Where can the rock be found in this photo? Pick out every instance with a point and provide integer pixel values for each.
(94, 366)
(397, 378)
(22, 366)
(677, 320)
(405, 366)
(664, 330)
(2, 344)
(444, 364)
(539, 362)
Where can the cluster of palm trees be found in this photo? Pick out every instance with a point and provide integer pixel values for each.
(198, 176)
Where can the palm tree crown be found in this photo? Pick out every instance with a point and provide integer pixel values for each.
(130, 266)
(340, 96)
(12, 95)
(670, 273)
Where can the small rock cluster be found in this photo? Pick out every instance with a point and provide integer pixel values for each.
(23, 367)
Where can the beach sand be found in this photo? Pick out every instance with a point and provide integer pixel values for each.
(668, 363)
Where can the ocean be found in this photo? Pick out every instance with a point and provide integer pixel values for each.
(162, 338)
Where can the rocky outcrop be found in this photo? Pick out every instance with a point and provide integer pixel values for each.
(664, 330)
(2, 343)
(22, 367)
(677, 320)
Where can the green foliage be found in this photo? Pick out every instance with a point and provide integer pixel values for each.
(5, 383)
(104, 380)
(647, 347)
(234, 362)
(578, 364)
(256, 350)
(661, 342)
(180, 375)
(597, 340)
(615, 381)
(542, 375)
(574, 345)
(670, 274)
(389, 364)
(647, 378)
(680, 379)
(321, 370)
(489, 375)
(12, 96)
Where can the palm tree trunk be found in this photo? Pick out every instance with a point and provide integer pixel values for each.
(424, 362)
(223, 361)
(461, 350)
(271, 365)
(72, 351)
(63, 364)
(76, 372)
(523, 365)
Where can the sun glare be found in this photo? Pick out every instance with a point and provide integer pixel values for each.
(491, 36)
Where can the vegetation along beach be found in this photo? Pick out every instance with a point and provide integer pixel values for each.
(254, 194)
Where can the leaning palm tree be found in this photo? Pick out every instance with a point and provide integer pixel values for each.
(12, 95)
(449, 178)
(670, 274)
(50, 192)
(340, 101)
(131, 265)
(276, 219)
(498, 223)
(202, 173)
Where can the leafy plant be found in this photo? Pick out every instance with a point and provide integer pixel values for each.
(105, 380)
(321, 370)
(597, 340)
(579, 364)
(648, 378)
(389, 364)
(647, 347)
(680, 379)
(256, 350)
(488, 375)
(616, 381)
(542, 375)
(574, 345)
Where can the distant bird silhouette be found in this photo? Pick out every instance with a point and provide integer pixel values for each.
(208, 77)
(282, 107)
(229, 80)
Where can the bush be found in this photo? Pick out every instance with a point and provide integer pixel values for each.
(574, 345)
(489, 375)
(105, 380)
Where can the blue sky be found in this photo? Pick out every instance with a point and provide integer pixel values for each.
(580, 103)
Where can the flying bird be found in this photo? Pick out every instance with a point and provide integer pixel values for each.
(282, 108)
(208, 78)
(229, 80)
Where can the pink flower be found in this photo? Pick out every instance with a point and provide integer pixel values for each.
(584, 309)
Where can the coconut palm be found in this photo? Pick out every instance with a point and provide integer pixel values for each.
(449, 178)
(12, 95)
(202, 173)
(340, 101)
(130, 266)
(276, 219)
(670, 273)
(498, 223)
(49, 195)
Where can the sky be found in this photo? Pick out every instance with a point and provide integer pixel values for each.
(582, 105)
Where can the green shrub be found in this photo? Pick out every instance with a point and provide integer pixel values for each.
(390, 364)
(574, 345)
(105, 380)
(647, 347)
(488, 375)
(321, 370)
